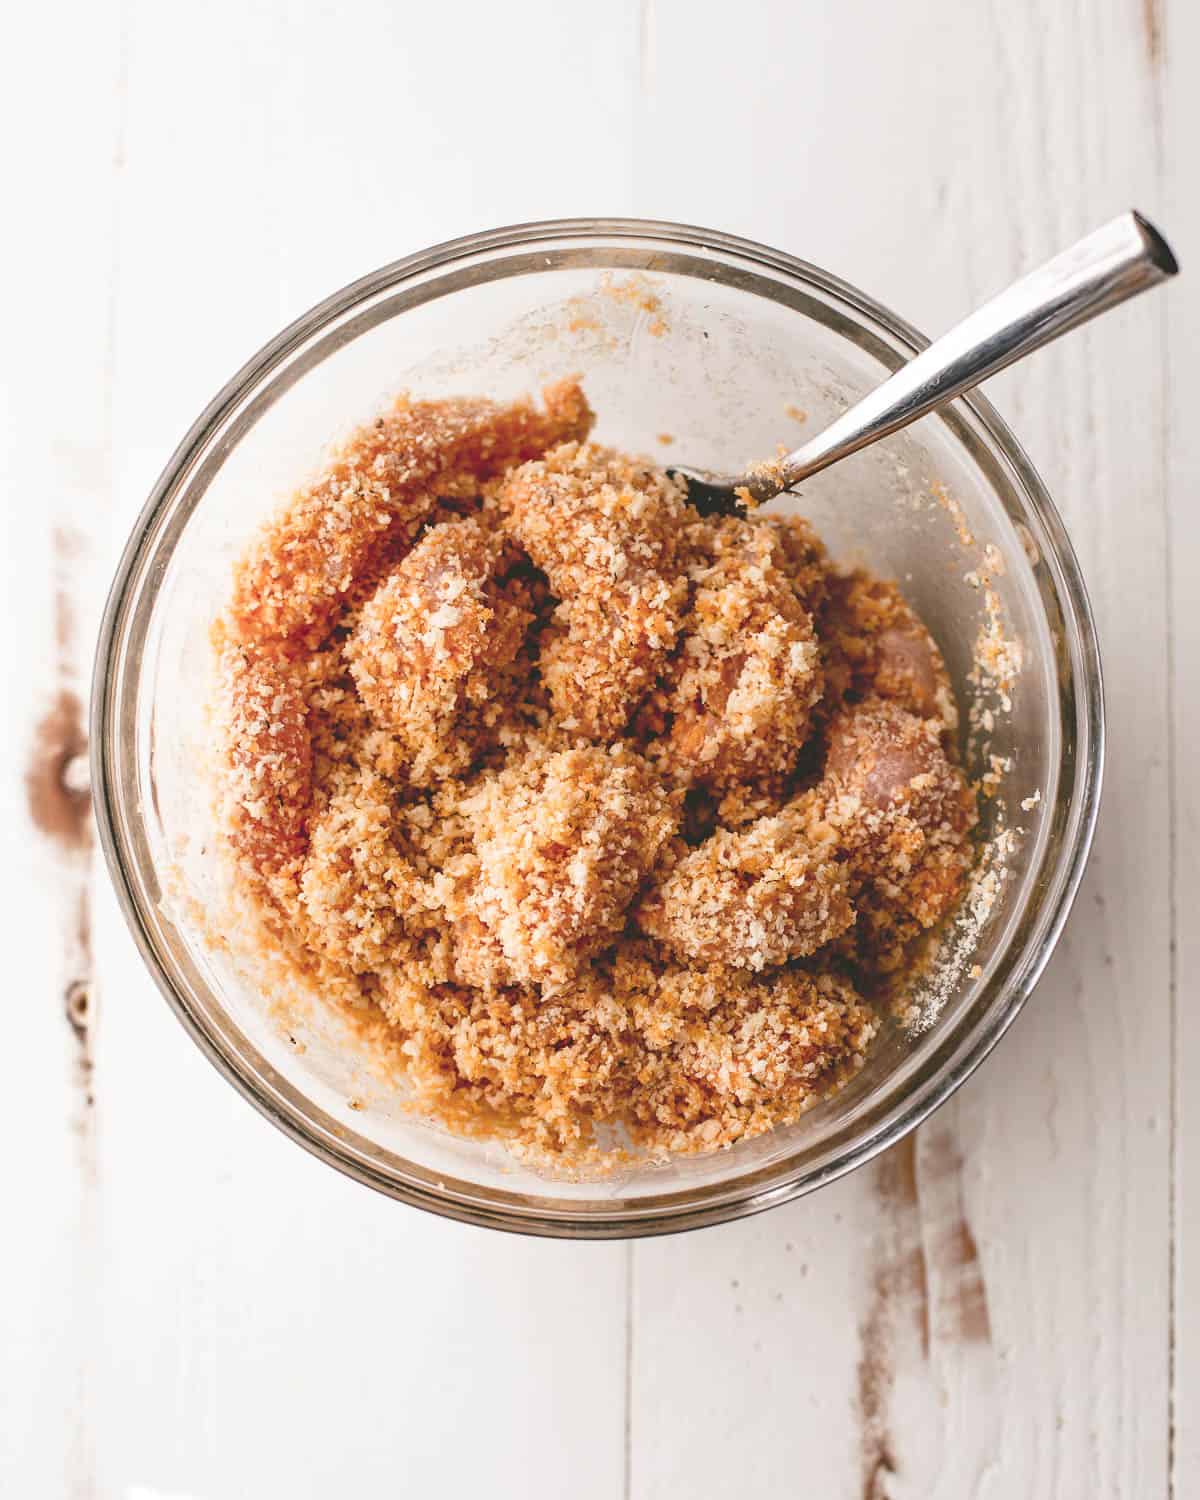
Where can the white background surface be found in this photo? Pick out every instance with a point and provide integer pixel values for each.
(191, 1307)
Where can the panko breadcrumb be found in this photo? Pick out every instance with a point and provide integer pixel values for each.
(753, 899)
(748, 674)
(606, 531)
(369, 504)
(607, 819)
(564, 841)
(429, 651)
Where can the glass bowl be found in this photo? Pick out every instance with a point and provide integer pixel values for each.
(691, 344)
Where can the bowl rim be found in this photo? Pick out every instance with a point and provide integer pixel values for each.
(622, 1222)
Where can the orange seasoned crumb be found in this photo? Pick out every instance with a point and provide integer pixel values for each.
(368, 505)
(605, 530)
(748, 674)
(875, 644)
(635, 288)
(591, 812)
(432, 643)
(564, 840)
(753, 899)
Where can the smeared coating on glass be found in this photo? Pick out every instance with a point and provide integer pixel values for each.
(606, 531)
(432, 644)
(748, 673)
(752, 899)
(564, 841)
(367, 507)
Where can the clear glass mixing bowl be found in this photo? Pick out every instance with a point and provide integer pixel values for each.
(727, 348)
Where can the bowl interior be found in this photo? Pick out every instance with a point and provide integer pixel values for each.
(711, 356)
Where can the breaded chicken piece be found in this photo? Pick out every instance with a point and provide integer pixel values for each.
(901, 814)
(564, 841)
(688, 1059)
(559, 1067)
(886, 829)
(431, 645)
(750, 899)
(356, 883)
(732, 1055)
(877, 646)
(748, 672)
(605, 530)
(269, 759)
(366, 508)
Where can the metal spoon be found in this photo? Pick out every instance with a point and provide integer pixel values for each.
(1105, 268)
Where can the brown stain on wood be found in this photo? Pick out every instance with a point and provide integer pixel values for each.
(927, 1282)
(876, 1377)
(59, 802)
(77, 1003)
(60, 807)
(974, 1320)
(1152, 30)
(899, 1302)
(962, 1293)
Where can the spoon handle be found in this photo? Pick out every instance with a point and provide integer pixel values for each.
(1105, 268)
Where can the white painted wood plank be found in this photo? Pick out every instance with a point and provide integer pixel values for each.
(261, 1334)
(958, 147)
(269, 1327)
(1181, 47)
(60, 129)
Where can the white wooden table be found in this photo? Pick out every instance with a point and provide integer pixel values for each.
(190, 1306)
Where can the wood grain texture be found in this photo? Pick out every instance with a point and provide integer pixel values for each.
(269, 1328)
(1180, 47)
(964, 144)
(986, 1312)
(57, 264)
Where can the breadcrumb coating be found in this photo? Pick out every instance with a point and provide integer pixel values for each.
(564, 841)
(355, 883)
(606, 531)
(875, 644)
(748, 673)
(752, 899)
(602, 816)
(366, 508)
(431, 645)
